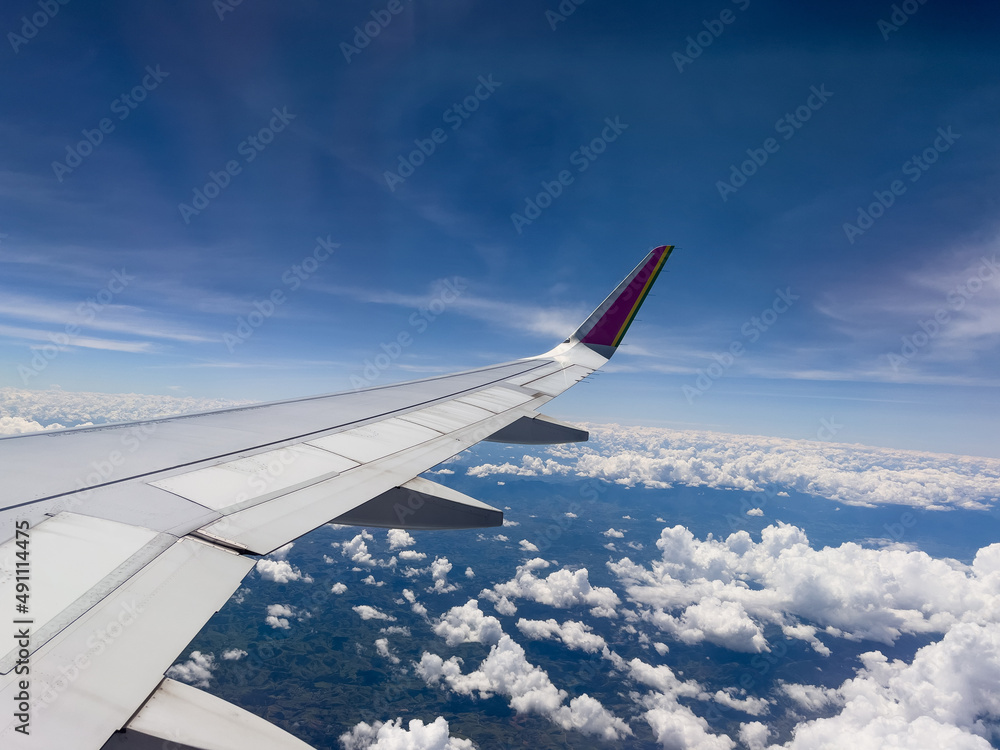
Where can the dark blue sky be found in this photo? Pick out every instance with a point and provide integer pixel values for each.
(833, 107)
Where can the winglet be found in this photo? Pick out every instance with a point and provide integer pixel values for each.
(604, 329)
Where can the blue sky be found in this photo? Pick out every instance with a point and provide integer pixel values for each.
(836, 108)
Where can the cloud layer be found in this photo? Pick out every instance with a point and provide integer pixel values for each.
(20, 409)
(853, 474)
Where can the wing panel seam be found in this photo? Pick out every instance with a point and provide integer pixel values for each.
(296, 438)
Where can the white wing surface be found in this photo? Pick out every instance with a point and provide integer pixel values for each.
(118, 543)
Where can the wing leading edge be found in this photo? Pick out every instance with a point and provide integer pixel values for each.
(178, 506)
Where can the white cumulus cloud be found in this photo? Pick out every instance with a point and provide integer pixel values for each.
(725, 591)
(277, 616)
(280, 571)
(673, 723)
(399, 539)
(754, 735)
(357, 550)
(440, 569)
(467, 624)
(197, 670)
(561, 589)
(382, 646)
(416, 606)
(946, 697)
(367, 612)
(392, 736)
(505, 606)
(575, 635)
(506, 671)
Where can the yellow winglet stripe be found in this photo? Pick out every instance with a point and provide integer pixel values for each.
(642, 296)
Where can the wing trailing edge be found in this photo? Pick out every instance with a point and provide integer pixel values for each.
(539, 430)
(186, 718)
(423, 504)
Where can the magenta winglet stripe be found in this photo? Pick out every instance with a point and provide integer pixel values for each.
(609, 330)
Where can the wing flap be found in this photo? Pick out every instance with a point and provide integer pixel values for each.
(377, 440)
(539, 430)
(180, 716)
(104, 553)
(448, 417)
(423, 504)
(496, 400)
(85, 681)
(267, 526)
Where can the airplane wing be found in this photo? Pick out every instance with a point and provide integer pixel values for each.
(119, 542)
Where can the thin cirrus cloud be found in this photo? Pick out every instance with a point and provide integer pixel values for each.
(130, 321)
(87, 342)
(551, 322)
(950, 309)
